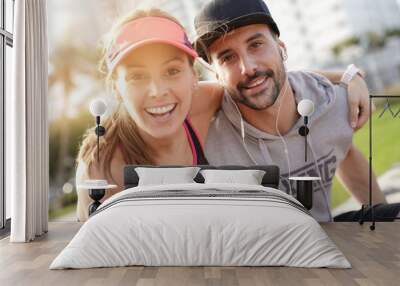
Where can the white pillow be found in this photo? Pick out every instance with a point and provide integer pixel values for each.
(162, 176)
(248, 177)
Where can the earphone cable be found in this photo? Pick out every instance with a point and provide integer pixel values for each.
(283, 139)
(323, 190)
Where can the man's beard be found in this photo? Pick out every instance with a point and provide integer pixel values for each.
(278, 79)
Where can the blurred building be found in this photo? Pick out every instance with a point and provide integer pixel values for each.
(183, 10)
(312, 28)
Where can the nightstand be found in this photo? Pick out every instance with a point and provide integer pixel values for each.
(304, 190)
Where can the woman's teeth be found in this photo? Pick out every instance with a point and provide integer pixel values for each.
(257, 82)
(161, 109)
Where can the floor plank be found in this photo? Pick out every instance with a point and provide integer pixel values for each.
(375, 257)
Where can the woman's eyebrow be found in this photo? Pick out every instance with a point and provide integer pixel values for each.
(164, 63)
(173, 59)
(134, 66)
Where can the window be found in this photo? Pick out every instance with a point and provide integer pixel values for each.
(9, 18)
(6, 44)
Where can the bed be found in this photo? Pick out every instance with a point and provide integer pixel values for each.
(201, 224)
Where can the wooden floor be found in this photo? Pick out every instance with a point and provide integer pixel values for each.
(375, 257)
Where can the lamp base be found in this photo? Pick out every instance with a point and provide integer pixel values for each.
(304, 190)
(304, 193)
(100, 130)
(96, 195)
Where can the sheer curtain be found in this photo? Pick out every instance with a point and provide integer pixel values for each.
(27, 158)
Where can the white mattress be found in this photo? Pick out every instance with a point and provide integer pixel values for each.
(268, 228)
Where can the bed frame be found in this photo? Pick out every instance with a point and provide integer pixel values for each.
(270, 179)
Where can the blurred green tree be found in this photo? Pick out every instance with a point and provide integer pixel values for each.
(68, 62)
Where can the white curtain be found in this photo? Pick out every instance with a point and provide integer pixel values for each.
(27, 156)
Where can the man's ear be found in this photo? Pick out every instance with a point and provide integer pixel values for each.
(282, 50)
(282, 45)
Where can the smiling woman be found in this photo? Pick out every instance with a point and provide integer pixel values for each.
(148, 61)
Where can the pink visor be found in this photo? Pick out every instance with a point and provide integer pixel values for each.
(148, 30)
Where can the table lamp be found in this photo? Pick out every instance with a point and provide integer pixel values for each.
(97, 108)
(304, 187)
(97, 188)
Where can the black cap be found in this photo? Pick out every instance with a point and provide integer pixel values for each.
(218, 17)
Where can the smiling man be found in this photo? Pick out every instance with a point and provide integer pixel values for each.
(258, 122)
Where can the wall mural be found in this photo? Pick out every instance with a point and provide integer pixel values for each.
(131, 84)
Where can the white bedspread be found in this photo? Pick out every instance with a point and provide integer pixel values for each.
(240, 227)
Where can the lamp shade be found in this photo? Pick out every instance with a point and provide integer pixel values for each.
(305, 107)
(98, 107)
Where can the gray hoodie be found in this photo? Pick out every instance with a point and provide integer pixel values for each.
(329, 139)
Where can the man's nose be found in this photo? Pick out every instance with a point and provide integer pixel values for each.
(248, 66)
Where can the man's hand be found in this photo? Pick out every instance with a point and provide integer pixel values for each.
(358, 99)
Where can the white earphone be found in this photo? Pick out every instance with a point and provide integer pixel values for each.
(242, 131)
(305, 107)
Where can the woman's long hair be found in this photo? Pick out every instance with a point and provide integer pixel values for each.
(121, 130)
